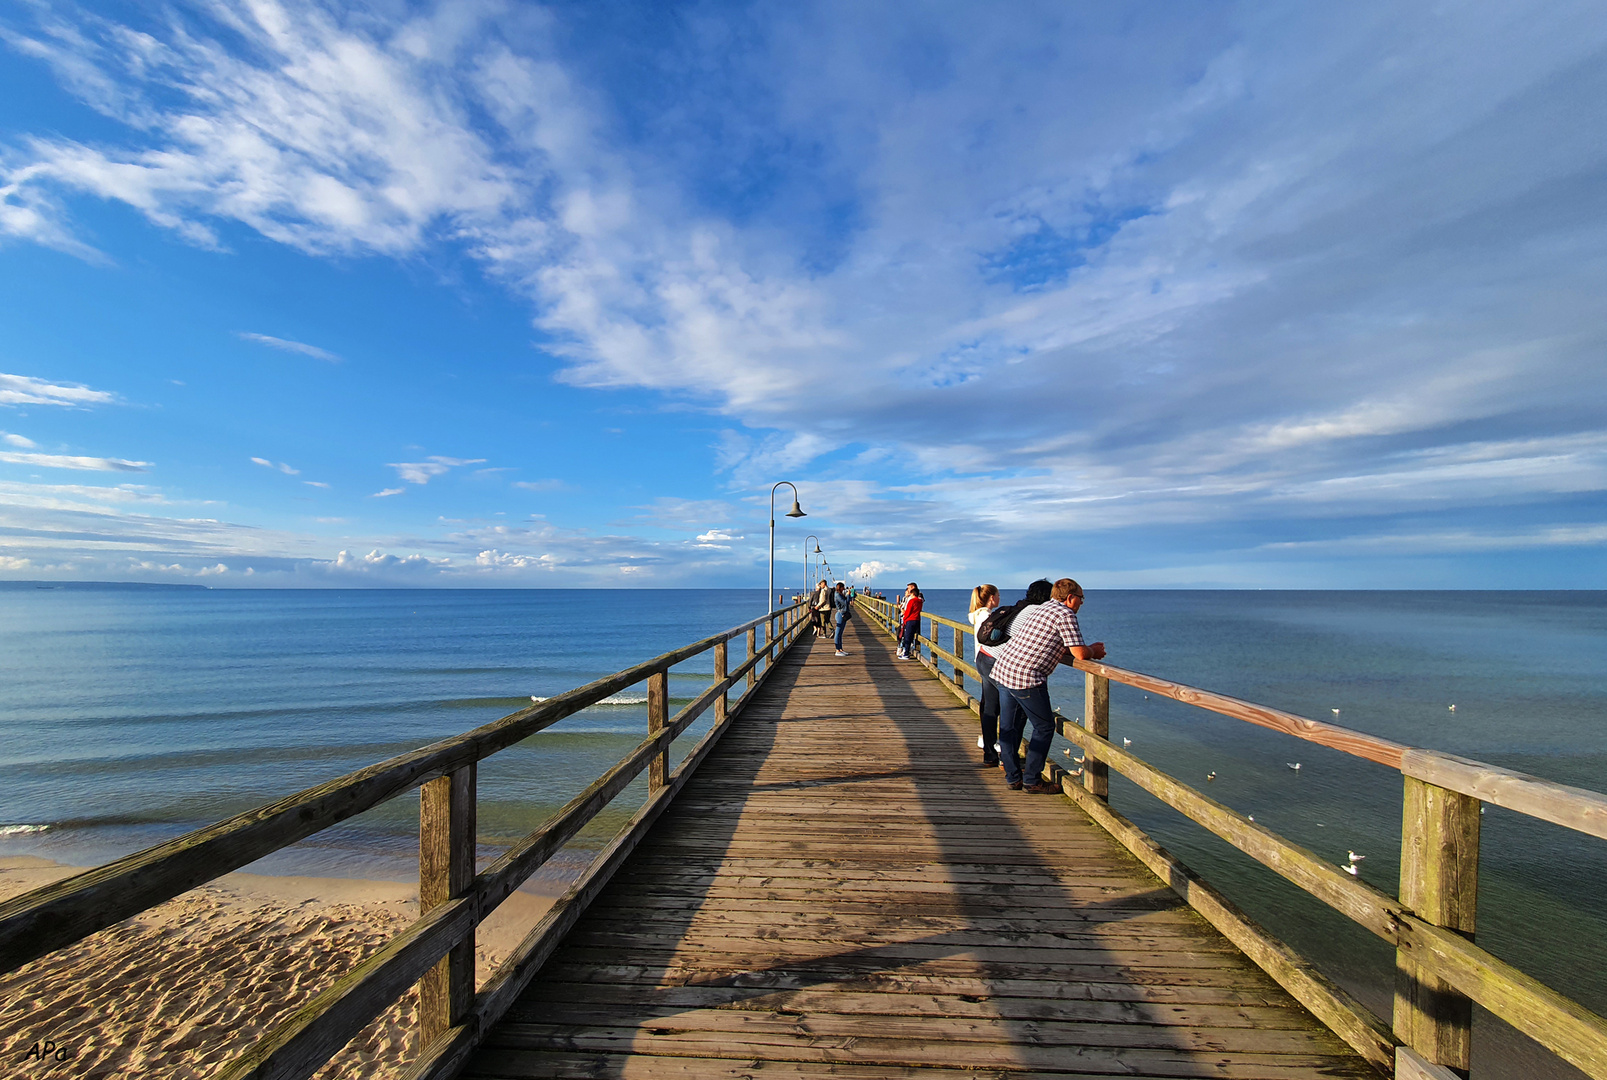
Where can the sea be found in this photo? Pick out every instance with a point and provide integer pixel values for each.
(131, 715)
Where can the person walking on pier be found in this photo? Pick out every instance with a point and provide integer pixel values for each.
(909, 621)
(820, 607)
(1040, 638)
(844, 605)
(984, 599)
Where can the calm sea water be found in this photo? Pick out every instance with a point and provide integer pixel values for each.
(130, 716)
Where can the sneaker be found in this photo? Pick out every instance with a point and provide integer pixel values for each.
(1015, 786)
(903, 655)
(841, 653)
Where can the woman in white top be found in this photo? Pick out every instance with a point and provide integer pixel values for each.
(984, 598)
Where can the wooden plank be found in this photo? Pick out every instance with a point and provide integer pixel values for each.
(49, 918)
(1410, 1065)
(1356, 743)
(1371, 908)
(447, 843)
(1096, 719)
(1439, 883)
(1343, 1014)
(1570, 807)
(806, 904)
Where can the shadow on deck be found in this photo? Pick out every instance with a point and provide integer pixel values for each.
(843, 890)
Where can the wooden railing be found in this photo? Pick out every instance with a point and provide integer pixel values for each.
(1440, 972)
(436, 951)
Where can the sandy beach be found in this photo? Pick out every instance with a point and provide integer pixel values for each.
(184, 987)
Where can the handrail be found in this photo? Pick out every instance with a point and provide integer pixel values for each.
(1441, 971)
(438, 947)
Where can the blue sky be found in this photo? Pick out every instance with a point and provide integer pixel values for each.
(1158, 295)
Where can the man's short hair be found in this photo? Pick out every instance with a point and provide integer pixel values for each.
(1039, 591)
(1064, 589)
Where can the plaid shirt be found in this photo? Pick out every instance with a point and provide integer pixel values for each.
(1040, 638)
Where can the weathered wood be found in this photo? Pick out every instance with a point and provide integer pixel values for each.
(723, 705)
(858, 881)
(49, 918)
(1564, 1027)
(753, 658)
(1358, 901)
(447, 841)
(1570, 807)
(301, 1044)
(1096, 719)
(1351, 742)
(1343, 1014)
(1410, 1065)
(658, 715)
(1439, 883)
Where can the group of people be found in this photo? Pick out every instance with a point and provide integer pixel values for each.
(1039, 632)
(829, 605)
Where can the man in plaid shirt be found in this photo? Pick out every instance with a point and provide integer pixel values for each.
(1040, 638)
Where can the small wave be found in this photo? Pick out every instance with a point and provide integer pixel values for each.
(17, 830)
(611, 699)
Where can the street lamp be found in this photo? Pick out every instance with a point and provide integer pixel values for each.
(807, 553)
(795, 512)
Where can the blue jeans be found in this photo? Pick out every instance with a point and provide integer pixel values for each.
(990, 708)
(842, 621)
(906, 635)
(1015, 707)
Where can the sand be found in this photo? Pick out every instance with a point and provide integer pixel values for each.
(181, 989)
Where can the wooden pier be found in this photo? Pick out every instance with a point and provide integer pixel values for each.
(843, 891)
(830, 884)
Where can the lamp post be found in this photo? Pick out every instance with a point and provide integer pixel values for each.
(795, 512)
(807, 553)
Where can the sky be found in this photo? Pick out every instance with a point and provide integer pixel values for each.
(1156, 295)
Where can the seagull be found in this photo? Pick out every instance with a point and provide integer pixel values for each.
(1250, 817)
(1334, 711)
(1295, 765)
(1350, 868)
(1355, 858)
(1081, 759)
(1127, 742)
(1211, 775)
(1066, 752)
(1075, 772)
(1453, 708)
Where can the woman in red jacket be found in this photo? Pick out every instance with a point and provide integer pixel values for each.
(910, 621)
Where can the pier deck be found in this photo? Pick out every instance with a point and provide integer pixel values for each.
(843, 890)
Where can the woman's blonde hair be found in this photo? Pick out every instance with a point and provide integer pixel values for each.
(980, 594)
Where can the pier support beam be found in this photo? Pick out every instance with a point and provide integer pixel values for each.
(658, 717)
(1439, 883)
(446, 845)
(1096, 718)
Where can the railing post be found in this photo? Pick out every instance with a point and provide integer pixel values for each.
(722, 706)
(959, 655)
(658, 716)
(753, 650)
(1439, 883)
(446, 847)
(1096, 718)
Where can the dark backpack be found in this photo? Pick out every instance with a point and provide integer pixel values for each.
(995, 629)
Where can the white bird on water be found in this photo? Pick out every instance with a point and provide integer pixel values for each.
(1127, 742)
(1355, 858)
(1211, 775)
(1350, 868)
(1295, 765)
(1334, 711)
(1453, 708)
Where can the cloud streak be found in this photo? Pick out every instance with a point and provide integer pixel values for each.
(286, 345)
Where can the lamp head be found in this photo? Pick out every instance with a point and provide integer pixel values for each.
(796, 511)
(817, 549)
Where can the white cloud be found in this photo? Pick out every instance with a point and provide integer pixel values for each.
(315, 483)
(387, 492)
(281, 466)
(68, 461)
(17, 440)
(292, 346)
(422, 472)
(715, 535)
(26, 390)
(1032, 297)
(538, 485)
